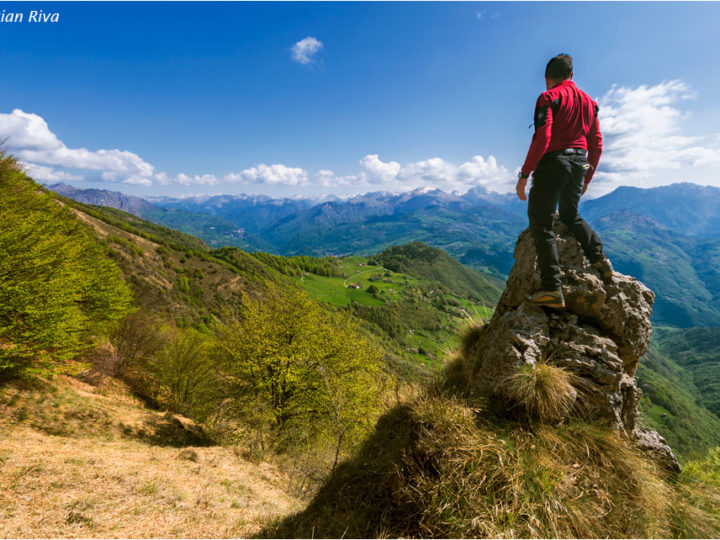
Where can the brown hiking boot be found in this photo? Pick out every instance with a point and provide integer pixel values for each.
(551, 299)
(604, 267)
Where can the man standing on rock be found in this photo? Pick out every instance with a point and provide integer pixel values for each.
(564, 154)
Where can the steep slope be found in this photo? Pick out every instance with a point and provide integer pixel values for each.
(681, 404)
(173, 273)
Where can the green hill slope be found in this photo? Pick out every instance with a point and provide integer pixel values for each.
(697, 350)
(673, 403)
(435, 265)
(678, 268)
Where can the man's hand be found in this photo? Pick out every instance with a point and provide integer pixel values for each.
(520, 188)
(585, 186)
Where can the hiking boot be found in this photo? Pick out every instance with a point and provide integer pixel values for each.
(551, 299)
(604, 267)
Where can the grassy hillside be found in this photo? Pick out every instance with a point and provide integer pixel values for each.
(435, 265)
(415, 319)
(95, 463)
(173, 273)
(419, 314)
(697, 350)
(674, 405)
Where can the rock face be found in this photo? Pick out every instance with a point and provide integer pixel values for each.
(600, 336)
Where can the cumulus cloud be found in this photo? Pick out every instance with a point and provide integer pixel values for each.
(377, 171)
(30, 139)
(644, 140)
(49, 174)
(277, 174)
(328, 178)
(304, 51)
(484, 15)
(48, 159)
(436, 172)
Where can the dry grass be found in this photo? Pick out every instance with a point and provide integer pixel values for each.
(438, 468)
(72, 466)
(471, 333)
(542, 392)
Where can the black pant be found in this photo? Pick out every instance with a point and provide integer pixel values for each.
(558, 180)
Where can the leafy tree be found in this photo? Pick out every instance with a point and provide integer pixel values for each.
(57, 286)
(314, 375)
(185, 375)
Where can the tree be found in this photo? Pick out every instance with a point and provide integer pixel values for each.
(58, 288)
(184, 374)
(314, 373)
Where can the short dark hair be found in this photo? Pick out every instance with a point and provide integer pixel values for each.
(559, 67)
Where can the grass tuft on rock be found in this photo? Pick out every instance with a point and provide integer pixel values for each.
(541, 392)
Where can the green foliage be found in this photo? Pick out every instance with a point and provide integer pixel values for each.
(185, 375)
(132, 247)
(296, 265)
(305, 373)
(707, 469)
(57, 286)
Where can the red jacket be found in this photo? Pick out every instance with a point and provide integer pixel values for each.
(565, 117)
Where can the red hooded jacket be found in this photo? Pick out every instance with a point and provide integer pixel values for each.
(565, 117)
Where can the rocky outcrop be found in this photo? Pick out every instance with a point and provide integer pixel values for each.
(600, 337)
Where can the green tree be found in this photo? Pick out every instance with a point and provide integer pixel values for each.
(57, 286)
(185, 375)
(312, 371)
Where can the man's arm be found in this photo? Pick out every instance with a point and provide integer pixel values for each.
(541, 137)
(594, 144)
(539, 145)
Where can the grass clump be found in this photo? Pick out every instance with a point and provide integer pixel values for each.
(543, 392)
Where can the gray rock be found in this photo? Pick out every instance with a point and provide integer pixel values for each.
(653, 443)
(600, 336)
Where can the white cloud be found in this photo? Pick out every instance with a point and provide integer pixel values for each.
(48, 174)
(327, 178)
(45, 156)
(277, 174)
(305, 50)
(484, 15)
(377, 171)
(436, 172)
(644, 141)
(30, 139)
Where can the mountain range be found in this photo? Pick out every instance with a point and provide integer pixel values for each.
(665, 236)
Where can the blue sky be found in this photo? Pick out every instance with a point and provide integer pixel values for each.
(188, 98)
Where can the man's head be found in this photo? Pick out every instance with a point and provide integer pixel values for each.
(558, 69)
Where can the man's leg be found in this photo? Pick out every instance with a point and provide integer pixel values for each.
(542, 201)
(569, 215)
